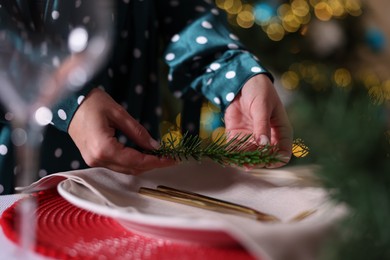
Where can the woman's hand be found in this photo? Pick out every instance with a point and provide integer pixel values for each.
(93, 130)
(259, 111)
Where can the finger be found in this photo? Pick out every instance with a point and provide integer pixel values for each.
(282, 134)
(111, 154)
(282, 131)
(283, 160)
(131, 161)
(261, 124)
(134, 130)
(131, 158)
(284, 141)
(137, 168)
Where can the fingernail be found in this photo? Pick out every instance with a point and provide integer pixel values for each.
(283, 157)
(154, 144)
(264, 140)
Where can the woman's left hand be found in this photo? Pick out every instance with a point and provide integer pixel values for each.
(258, 110)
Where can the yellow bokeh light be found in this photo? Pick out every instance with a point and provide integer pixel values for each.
(353, 7)
(369, 79)
(305, 19)
(245, 19)
(342, 77)
(218, 133)
(300, 8)
(323, 11)
(219, 3)
(290, 80)
(275, 31)
(173, 137)
(309, 72)
(178, 120)
(247, 7)
(283, 10)
(337, 7)
(224, 4)
(376, 95)
(313, 3)
(235, 8)
(291, 22)
(299, 149)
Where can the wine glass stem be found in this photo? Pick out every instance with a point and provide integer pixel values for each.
(28, 149)
(27, 139)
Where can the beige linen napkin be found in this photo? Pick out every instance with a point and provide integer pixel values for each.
(116, 195)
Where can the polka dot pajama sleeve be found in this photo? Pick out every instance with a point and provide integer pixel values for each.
(206, 57)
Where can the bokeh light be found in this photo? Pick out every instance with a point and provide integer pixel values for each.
(299, 149)
(342, 77)
(173, 137)
(246, 17)
(275, 31)
(263, 13)
(278, 20)
(218, 133)
(323, 11)
(376, 95)
(290, 80)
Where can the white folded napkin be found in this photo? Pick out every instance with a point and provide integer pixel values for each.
(116, 195)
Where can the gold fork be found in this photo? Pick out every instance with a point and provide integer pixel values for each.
(205, 202)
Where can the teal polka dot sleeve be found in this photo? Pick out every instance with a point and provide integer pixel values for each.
(63, 112)
(206, 57)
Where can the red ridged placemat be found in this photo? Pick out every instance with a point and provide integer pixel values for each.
(65, 231)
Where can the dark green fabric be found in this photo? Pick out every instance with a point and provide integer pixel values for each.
(205, 61)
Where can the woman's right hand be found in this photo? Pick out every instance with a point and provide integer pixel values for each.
(93, 130)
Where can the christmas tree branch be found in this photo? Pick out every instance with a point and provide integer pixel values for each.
(237, 151)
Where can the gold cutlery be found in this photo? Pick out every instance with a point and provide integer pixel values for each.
(205, 202)
(303, 215)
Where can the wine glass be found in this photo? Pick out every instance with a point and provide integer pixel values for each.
(47, 49)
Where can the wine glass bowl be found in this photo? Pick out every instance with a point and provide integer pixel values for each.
(48, 49)
(47, 53)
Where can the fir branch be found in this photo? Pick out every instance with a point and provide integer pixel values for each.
(234, 152)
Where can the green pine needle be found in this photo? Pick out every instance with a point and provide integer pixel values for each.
(233, 152)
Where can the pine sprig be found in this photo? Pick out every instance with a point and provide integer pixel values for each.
(234, 152)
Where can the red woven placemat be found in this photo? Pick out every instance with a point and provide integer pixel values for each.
(65, 231)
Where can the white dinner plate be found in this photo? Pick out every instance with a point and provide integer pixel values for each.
(180, 229)
(116, 195)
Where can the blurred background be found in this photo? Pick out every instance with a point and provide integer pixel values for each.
(331, 62)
